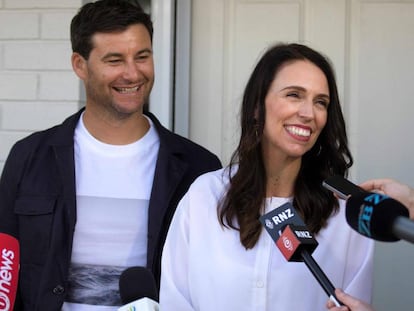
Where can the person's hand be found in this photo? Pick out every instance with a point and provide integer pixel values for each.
(352, 304)
(394, 189)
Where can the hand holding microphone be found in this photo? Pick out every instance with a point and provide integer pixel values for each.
(138, 290)
(374, 215)
(394, 189)
(352, 303)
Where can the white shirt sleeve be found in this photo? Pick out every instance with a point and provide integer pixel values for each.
(174, 293)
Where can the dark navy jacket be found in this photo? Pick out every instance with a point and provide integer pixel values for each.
(38, 205)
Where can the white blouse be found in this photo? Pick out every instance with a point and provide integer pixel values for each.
(206, 268)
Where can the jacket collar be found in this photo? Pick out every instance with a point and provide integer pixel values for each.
(64, 133)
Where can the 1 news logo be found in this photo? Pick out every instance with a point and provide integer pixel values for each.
(4, 302)
(6, 277)
(9, 270)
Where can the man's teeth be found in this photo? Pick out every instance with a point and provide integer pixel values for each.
(298, 131)
(127, 89)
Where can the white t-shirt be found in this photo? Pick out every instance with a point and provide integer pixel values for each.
(113, 188)
(205, 267)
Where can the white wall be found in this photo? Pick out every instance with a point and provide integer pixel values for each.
(37, 86)
(380, 118)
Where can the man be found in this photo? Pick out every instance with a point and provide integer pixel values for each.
(90, 197)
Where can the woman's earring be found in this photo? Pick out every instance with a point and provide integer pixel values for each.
(256, 131)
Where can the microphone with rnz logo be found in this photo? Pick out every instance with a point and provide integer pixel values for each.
(296, 243)
(138, 290)
(9, 270)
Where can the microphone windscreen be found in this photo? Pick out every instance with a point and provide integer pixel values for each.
(373, 215)
(136, 283)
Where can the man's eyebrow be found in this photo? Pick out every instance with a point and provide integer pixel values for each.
(114, 54)
(109, 55)
(145, 51)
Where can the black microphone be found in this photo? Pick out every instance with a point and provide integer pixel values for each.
(296, 242)
(379, 217)
(373, 215)
(138, 290)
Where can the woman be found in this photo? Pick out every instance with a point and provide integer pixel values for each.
(217, 255)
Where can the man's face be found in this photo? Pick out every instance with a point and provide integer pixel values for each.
(119, 73)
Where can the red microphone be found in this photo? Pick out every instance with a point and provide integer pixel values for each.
(296, 243)
(294, 240)
(9, 270)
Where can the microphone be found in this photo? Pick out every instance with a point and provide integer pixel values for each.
(373, 215)
(138, 290)
(9, 270)
(342, 187)
(379, 217)
(296, 243)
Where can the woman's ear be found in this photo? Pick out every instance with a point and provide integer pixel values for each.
(79, 65)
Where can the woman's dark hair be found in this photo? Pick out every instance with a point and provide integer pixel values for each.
(105, 16)
(330, 155)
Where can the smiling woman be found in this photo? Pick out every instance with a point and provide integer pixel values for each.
(292, 137)
(296, 112)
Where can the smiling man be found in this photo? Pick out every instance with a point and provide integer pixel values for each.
(95, 195)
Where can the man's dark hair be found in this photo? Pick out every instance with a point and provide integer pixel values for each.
(105, 16)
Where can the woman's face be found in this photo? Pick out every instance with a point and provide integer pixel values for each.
(296, 109)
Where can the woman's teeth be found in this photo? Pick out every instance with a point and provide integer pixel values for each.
(298, 131)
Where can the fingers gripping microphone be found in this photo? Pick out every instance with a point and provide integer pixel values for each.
(9, 270)
(379, 217)
(296, 243)
(138, 290)
(374, 215)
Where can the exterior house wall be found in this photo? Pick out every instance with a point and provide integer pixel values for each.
(37, 85)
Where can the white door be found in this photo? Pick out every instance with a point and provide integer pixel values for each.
(371, 44)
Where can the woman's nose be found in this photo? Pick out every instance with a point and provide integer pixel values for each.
(306, 109)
